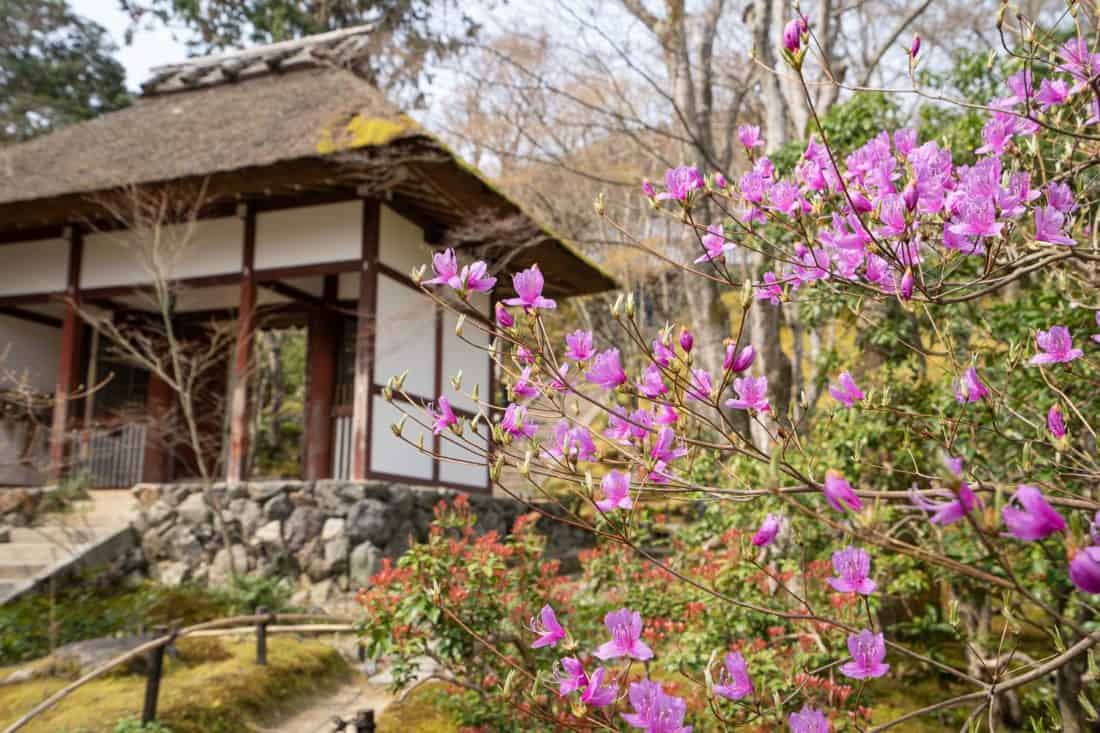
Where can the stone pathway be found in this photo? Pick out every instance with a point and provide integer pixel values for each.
(344, 703)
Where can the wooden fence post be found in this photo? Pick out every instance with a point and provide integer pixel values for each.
(364, 721)
(152, 679)
(261, 636)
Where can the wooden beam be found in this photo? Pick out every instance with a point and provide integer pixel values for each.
(321, 340)
(159, 399)
(68, 370)
(26, 315)
(237, 467)
(364, 345)
(295, 294)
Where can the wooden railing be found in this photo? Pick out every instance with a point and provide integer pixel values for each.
(261, 623)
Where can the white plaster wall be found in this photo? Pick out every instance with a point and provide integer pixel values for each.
(30, 353)
(462, 473)
(213, 247)
(405, 337)
(309, 235)
(390, 454)
(24, 453)
(401, 243)
(458, 355)
(34, 267)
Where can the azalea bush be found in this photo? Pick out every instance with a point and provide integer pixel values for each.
(933, 514)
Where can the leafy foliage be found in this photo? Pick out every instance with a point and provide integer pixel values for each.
(56, 68)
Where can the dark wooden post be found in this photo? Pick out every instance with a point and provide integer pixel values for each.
(321, 339)
(364, 721)
(152, 679)
(261, 636)
(364, 345)
(237, 469)
(68, 370)
(159, 398)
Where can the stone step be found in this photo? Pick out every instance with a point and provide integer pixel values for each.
(63, 536)
(19, 571)
(37, 553)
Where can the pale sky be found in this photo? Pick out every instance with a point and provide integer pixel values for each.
(150, 47)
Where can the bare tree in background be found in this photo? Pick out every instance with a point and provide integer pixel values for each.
(607, 93)
(157, 227)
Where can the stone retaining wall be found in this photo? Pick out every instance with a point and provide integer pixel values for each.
(330, 535)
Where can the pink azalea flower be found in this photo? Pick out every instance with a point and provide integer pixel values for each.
(666, 415)
(1055, 424)
(528, 286)
(715, 244)
(839, 493)
(524, 355)
(618, 428)
(652, 385)
(641, 424)
(1060, 196)
(504, 318)
(953, 509)
(616, 492)
(606, 370)
(571, 677)
(680, 182)
(738, 361)
(664, 448)
(700, 387)
(868, 651)
(654, 710)
(1036, 520)
(626, 637)
(579, 345)
(749, 136)
(547, 628)
(514, 422)
(808, 720)
(1052, 92)
(662, 354)
(1056, 345)
(970, 388)
(558, 383)
(752, 394)
(734, 683)
(475, 278)
(1084, 569)
(445, 265)
(444, 418)
(770, 289)
(596, 693)
(523, 388)
(1048, 227)
(572, 441)
(852, 566)
(845, 390)
(769, 528)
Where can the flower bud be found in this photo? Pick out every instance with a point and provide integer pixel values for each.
(647, 188)
(905, 288)
(504, 318)
(914, 48)
(686, 340)
(792, 35)
(910, 196)
(720, 181)
(738, 362)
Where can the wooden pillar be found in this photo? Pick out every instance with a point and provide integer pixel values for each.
(159, 398)
(364, 344)
(237, 467)
(321, 340)
(68, 370)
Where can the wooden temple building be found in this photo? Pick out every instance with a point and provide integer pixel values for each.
(313, 199)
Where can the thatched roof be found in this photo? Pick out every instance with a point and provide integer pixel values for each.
(280, 120)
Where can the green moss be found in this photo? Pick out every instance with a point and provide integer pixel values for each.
(420, 711)
(223, 695)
